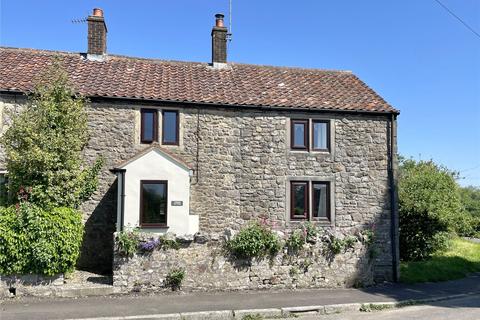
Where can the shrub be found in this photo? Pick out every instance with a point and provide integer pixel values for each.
(295, 241)
(368, 236)
(429, 208)
(338, 245)
(127, 242)
(168, 243)
(254, 241)
(44, 144)
(39, 241)
(174, 278)
(310, 231)
(13, 242)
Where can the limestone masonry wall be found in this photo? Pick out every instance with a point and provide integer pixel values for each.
(208, 267)
(242, 168)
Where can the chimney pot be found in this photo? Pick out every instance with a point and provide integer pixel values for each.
(219, 20)
(97, 12)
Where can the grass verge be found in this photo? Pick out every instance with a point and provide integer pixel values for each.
(461, 258)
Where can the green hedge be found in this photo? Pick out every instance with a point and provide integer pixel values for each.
(33, 240)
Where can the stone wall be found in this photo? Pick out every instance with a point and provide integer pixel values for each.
(242, 168)
(208, 267)
(29, 285)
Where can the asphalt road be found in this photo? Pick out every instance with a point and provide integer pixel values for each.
(137, 306)
(457, 309)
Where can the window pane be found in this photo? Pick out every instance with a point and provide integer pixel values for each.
(299, 135)
(320, 135)
(3, 188)
(148, 125)
(170, 125)
(154, 203)
(299, 197)
(320, 193)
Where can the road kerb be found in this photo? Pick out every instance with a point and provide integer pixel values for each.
(266, 313)
(207, 315)
(286, 311)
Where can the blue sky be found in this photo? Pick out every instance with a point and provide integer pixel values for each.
(412, 52)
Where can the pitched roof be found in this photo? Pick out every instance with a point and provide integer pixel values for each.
(237, 84)
(159, 149)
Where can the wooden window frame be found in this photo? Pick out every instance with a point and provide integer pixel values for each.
(153, 225)
(327, 122)
(328, 204)
(177, 128)
(306, 215)
(306, 133)
(142, 125)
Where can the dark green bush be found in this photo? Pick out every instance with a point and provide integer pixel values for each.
(13, 242)
(254, 241)
(33, 240)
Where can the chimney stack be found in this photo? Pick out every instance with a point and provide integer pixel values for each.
(219, 41)
(97, 33)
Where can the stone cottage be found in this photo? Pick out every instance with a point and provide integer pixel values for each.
(203, 147)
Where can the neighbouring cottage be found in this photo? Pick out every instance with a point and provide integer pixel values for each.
(194, 149)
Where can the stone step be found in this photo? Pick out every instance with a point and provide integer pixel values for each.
(62, 292)
(84, 291)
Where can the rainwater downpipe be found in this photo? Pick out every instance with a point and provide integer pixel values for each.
(393, 198)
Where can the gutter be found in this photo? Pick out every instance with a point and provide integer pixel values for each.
(146, 101)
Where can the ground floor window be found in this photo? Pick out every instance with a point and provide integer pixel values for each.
(3, 187)
(310, 200)
(153, 203)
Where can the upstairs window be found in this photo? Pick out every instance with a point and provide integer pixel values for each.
(299, 132)
(153, 203)
(302, 139)
(170, 127)
(321, 132)
(149, 125)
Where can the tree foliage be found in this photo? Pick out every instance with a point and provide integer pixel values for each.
(44, 147)
(430, 208)
(471, 200)
(470, 197)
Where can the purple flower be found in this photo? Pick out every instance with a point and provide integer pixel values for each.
(149, 246)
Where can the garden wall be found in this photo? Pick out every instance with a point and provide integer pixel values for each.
(208, 267)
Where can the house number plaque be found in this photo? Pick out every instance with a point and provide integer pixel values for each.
(177, 203)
